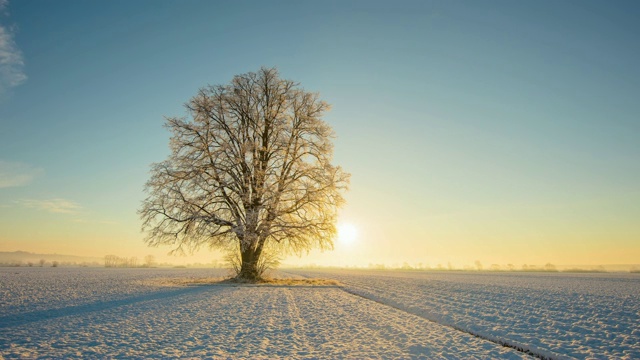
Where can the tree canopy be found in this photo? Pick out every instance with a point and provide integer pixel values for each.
(250, 168)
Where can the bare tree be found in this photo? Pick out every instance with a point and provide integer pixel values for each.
(269, 259)
(149, 261)
(250, 166)
(478, 265)
(110, 261)
(550, 267)
(116, 261)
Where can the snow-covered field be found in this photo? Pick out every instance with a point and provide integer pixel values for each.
(151, 313)
(556, 315)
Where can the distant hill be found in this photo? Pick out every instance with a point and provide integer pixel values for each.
(24, 257)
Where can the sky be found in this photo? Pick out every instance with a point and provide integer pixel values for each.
(492, 131)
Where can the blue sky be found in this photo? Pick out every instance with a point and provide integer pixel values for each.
(498, 131)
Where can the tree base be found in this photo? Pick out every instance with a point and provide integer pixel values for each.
(248, 276)
(242, 280)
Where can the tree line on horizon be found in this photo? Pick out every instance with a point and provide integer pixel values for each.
(111, 261)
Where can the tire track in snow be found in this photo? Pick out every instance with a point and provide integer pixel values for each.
(297, 321)
(540, 354)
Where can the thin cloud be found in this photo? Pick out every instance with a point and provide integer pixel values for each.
(11, 61)
(13, 174)
(58, 206)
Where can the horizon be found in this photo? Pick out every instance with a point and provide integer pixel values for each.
(219, 263)
(497, 132)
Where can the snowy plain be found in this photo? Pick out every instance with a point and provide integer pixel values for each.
(153, 313)
(554, 315)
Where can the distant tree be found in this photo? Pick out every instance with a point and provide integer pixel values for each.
(550, 267)
(478, 265)
(149, 261)
(131, 262)
(110, 261)
(54, 264)
(123, 262)
(511, 267)
(41, 262)
(250, 170)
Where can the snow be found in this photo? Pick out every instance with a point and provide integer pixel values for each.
(553, 315)
(174, 313)
(118, 313)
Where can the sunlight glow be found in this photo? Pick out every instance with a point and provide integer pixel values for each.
(347, 234)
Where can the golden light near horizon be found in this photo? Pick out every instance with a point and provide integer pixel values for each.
(347, 234)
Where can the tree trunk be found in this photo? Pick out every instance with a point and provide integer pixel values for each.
(249, 268)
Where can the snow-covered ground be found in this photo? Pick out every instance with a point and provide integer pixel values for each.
(116, 313)
(558, 315)
(151, 313)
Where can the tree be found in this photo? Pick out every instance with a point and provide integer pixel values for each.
(149, 261)
(131, 262)
(249, 170)
(111, 261)
(550, 267)
(478, 265)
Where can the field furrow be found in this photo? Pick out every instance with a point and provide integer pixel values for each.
(555, 315)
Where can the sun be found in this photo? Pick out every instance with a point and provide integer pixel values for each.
(347, 234)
